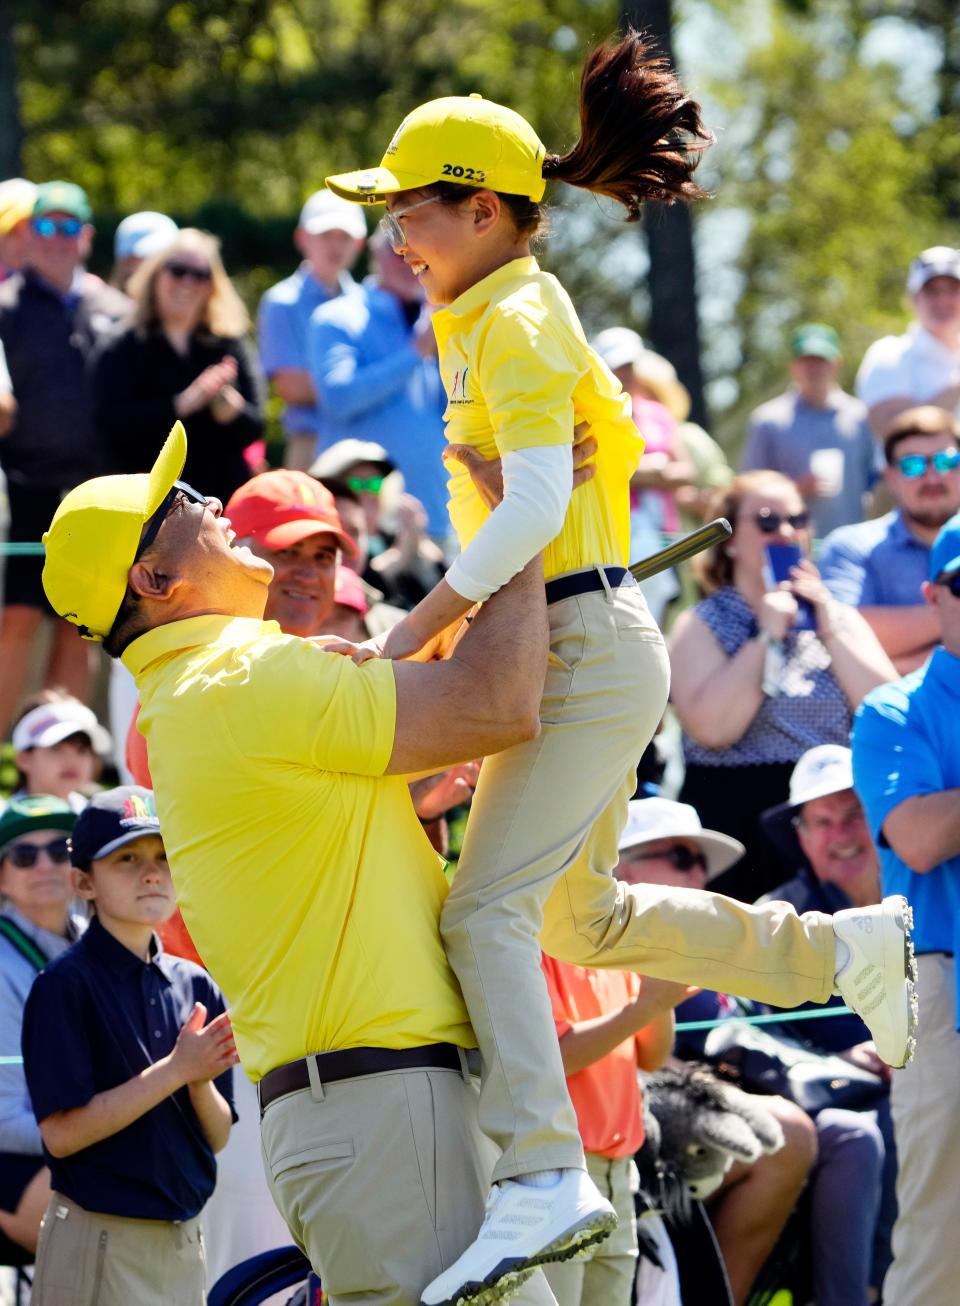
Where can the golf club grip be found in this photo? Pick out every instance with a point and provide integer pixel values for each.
(681, 549)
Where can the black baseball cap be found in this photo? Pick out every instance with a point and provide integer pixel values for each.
(110, 820)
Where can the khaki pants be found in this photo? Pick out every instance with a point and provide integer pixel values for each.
(605, 1277)
(536, 868)
(925, 1098)
(109, 1260)
(382, 1181)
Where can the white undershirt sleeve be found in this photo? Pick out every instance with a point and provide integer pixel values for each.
(537, 484)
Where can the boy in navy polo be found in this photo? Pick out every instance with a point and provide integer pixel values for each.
(129, 1081)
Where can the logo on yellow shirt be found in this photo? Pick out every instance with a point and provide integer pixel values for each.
(458, 391)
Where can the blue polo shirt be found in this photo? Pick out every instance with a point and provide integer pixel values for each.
(373, 385)
(283, 322)
(906, 743)
(97, 1016)
(875, 563)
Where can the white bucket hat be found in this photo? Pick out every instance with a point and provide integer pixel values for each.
(826, 769)
(650, 819)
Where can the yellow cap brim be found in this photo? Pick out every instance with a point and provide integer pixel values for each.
(373, 185)
(167, 468)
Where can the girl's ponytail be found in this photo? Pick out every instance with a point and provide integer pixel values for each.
(640, 133)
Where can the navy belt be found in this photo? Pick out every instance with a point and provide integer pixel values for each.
(352, 1063)
(587, 582)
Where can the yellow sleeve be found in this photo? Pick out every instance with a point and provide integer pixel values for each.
(527, 374)
(321, 710)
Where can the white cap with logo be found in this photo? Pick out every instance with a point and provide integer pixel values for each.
(938, 261)
(325, 211)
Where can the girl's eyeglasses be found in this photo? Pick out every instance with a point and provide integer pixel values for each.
(24, 856)
(680, 857)
(913, 465)
(770, 522)
(390, 223)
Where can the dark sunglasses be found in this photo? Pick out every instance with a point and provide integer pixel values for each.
(50, 227)
(952, 583)
(770, 522)
(680, 857)
(913, 465)
(187, 272)
(24, 856)
(366, 484)
(156, 521)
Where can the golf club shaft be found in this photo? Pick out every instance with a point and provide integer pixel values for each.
(681, 549)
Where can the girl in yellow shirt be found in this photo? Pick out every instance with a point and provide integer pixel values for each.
(462, 180)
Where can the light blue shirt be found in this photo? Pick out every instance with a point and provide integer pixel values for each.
(906, 743)
(875, 563)
(283, 322)
(373, 385)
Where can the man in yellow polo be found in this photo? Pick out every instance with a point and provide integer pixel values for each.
(302, 871)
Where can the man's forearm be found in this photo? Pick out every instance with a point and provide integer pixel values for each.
(925, 830)
(903, 629)
(505, 650)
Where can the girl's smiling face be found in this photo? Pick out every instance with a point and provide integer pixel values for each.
(450, 247)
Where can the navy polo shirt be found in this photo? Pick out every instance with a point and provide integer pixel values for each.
(97, 1016)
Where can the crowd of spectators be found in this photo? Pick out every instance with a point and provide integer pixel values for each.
(773, 672)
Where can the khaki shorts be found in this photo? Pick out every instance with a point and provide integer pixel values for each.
(88, 1259)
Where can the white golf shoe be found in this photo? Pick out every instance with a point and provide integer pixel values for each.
(524, 1227)
(879, 978)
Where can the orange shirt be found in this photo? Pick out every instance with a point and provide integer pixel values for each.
(606, 1096)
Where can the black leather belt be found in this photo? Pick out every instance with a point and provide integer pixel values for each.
(352, 1063)
(586, 582)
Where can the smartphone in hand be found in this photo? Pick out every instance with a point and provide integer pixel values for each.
(780, 559)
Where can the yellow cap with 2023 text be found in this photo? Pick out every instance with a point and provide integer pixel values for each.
(459, 138)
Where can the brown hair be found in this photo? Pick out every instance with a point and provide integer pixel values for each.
(641, 137)
(927, 419)
(714, 567)
(224, 315)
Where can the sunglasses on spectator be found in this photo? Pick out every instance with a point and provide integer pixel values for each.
(390, 224)
(770, 522)
(912, 465)
(952, 583)
(24, 856)
(680, 857)
(50, 227)
(187, 272)
(366, 484)
(158, 518)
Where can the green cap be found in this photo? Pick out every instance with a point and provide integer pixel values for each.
(62, 197)
(816, 340)
(38, 812)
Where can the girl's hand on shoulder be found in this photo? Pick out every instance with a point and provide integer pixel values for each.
(358, 653)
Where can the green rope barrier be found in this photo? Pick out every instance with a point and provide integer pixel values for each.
(771, 1018)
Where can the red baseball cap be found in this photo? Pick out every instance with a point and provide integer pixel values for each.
(348, 591)
(281, 508)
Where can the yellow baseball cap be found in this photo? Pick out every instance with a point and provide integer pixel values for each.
(17, 198)
(459, 138)
(94, 536)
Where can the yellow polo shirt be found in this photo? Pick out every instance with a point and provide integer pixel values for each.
(519, 374)
(303, 874)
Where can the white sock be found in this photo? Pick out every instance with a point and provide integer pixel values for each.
(843, 955)
(540, 1178)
